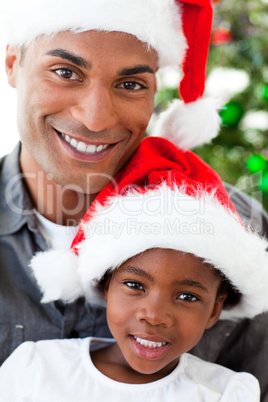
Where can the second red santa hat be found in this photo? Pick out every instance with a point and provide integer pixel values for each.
(165, 198)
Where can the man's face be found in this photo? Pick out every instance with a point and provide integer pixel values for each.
(84, 102)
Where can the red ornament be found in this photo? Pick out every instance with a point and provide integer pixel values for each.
(221, 36)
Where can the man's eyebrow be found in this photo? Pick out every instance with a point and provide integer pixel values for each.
(139, 69)
(137, 271)
(64, 54)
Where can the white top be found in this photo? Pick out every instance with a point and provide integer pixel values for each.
(62, 371)
(56, 236)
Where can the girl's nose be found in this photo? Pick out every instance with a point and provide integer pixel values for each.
(155, 311)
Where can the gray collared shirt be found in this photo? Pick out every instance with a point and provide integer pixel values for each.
(22, 316)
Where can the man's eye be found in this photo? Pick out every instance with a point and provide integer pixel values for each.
(131, 86)
(187, 297)
(134, 285)
(67, 74)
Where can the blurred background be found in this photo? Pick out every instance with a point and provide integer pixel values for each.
(237, 72)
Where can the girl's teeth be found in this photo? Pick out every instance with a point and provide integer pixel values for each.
(82, 147)
(149, 344)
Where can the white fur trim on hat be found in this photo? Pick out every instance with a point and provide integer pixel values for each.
(56, 272)
(165, 218)
(168, 218)
(154, 22)
(188, 125)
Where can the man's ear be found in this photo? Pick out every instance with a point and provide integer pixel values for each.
(12, 61)
(216, 310)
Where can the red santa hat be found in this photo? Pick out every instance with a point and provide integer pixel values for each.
(179, 30)
(164, 198)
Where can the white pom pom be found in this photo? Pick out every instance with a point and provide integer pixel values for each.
(188, 125)
(57, 276)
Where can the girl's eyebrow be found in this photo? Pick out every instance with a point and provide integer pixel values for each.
(137, 271)
(185, 282)
(191, 283)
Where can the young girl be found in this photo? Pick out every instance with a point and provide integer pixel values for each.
(166, 251)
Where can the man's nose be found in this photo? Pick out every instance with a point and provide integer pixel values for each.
(95, 108)
(154, 310)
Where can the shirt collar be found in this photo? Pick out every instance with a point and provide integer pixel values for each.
(16, 207)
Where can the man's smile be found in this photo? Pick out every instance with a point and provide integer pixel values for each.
(82, 146)
(85, 151)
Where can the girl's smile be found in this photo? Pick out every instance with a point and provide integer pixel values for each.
(151, 350)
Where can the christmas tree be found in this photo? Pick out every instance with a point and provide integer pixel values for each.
(238, 73)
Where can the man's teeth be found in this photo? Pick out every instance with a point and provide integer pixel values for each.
(149, 344)
(82, 147)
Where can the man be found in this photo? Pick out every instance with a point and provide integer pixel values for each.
(85, 79)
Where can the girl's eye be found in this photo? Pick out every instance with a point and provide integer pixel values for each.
(134, 285)
(67, 74)
(131, 86)
(188, 297)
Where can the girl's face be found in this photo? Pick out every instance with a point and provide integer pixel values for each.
(159, 304)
